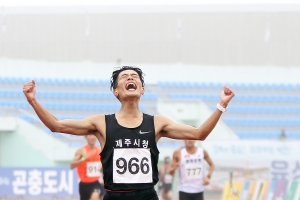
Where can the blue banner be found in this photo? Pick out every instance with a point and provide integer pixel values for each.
(38, 182)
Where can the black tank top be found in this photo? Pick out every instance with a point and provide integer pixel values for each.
(130, 155)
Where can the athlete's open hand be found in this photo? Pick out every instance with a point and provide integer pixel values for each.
(29, 90)
(226, 95)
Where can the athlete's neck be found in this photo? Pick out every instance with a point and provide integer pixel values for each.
(191, 149)
(129, 109)
(91, 146)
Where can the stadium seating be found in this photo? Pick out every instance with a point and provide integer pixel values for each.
(67, 98)
(259, 110)
(54, 81)
(247, 86)
(69, 95)
(238, 98)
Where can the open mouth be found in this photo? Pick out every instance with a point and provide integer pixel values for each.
(130, 86)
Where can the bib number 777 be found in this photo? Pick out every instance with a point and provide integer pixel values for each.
(132, 165)
(193, 171)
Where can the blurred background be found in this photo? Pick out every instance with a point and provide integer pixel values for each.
(188, 50)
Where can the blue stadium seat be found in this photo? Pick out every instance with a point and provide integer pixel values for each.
(258, 134)
(293, 135)
(262, 122)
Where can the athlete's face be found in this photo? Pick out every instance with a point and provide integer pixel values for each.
(189, 143)
(91, 139)
(129, 85)
(167, 161)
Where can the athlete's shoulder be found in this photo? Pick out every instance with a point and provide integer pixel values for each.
(204, 151)
(148, 115)
(161, 120)
(109, 115)
(177, 151)
(201, 149)
(160, 117)
(96, 116)
(97, 120)
(98, 148)
(80, 150)
(83, 148)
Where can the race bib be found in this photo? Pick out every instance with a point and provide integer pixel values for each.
(193, 171)
(132, 165)
(93, 169)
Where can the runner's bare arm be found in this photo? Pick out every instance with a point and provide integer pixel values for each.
(173, 130)
(175, 162)
(77, 160)
(167, 128)
(161, 173)
(75, 127)
(210, 163)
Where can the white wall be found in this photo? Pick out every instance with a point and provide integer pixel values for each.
(154, 73)
(30, 146)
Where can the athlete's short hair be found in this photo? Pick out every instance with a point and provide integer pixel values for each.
(115, 74)
(167, 158)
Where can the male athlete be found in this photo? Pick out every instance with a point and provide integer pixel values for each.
(192, 177)
(166, 179)
(128, 137)
(87, 162)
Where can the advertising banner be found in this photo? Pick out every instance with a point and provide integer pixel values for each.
(38, 182)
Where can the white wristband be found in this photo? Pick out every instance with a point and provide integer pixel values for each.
(221, 108)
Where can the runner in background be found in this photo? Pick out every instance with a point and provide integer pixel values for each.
(166, 179)
(192, 177)
(89, 169)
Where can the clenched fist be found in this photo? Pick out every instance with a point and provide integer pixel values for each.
(226, 95)
(29, 90)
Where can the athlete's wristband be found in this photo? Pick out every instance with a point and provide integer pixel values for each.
(222, 109)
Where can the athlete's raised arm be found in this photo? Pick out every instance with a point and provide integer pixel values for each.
(75, 127)
(167, 128)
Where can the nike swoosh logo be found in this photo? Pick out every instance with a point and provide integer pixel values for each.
(141, 132)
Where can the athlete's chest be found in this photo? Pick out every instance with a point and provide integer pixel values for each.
(129, 123)
(192, 166)
(191, 159)
(132, 157)
(133, 139)
(142, 136)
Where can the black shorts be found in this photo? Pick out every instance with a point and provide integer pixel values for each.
(86, 189)
(190, 196)
(166, 187)
(146, 194)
